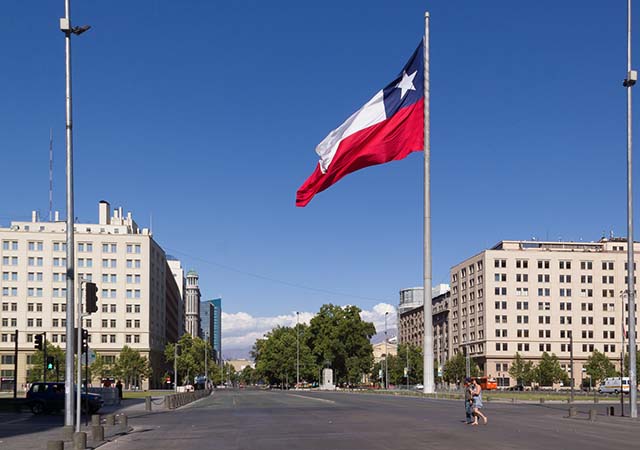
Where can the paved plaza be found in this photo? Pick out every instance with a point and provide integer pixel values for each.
(275, 420)
(235, 420)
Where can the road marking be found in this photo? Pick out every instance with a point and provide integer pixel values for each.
(312, 398)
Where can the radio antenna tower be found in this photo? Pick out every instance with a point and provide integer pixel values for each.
(50, 174)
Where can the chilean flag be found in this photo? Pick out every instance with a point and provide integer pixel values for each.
(387, 128)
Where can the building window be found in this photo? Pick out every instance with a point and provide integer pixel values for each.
(607, 265)
(586, 265)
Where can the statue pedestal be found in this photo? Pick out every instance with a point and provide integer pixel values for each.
(327, 380)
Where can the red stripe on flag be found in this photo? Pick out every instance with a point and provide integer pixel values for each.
(390, 140)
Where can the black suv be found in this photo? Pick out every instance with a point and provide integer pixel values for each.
(49, 397)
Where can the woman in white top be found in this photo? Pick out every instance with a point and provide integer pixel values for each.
(477, 402)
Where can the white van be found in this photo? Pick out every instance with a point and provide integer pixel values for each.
(614, 385)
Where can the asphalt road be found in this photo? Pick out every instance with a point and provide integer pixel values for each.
(234, 420)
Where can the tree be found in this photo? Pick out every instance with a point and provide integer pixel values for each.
(340, 339)
(455, 369)
(37, 364)
(521, 370)
(131, 367)
(276, 358)
(599, 367)
(191, 358)
(397, 364)
(248, 376)
(548, 370)
(100, 369)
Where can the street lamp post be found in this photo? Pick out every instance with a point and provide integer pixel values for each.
(622, 296)
(407, 344)
(297, 349)
(629, 82)
(571, 364)
(68, 30)
(175, 367)
(386, 356)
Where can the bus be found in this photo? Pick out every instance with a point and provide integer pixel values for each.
(487, 383)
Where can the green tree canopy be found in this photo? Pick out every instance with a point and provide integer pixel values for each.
(455, 369)
(548, 370)
(191, 358)
(131, 367)
(340, 339)
(522, 370)
(397, 364)
(599, 367)
(37, 364)
(275, 356)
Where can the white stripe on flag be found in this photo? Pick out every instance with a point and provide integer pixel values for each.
(371, 113)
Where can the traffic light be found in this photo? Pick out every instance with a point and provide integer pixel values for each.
(91, 298)
(50, 362)
(39, 342)
(85, 341)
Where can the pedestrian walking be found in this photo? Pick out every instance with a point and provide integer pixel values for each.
(477, 405)
(119, 388)
(468, 401)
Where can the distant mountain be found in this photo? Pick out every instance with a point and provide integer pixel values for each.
(392, 334)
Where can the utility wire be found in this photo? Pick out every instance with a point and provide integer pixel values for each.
(275, 280)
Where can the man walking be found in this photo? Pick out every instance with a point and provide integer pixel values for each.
(468, 400)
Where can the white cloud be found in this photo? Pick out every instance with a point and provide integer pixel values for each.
(240, 330)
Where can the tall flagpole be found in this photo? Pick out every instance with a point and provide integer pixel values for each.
(628, 83)
(428, 321)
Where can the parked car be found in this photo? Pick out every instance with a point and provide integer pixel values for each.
(49, 397)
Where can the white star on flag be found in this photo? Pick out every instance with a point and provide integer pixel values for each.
(406, 84)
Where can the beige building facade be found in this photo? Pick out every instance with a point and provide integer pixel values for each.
(529, 297)
(129, 268)
(411, 325)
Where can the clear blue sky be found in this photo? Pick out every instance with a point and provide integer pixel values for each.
(205, 114)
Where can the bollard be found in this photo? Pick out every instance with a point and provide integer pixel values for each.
(97, 433)
(592, 415)
(110, 420)
(123, 420)
(67, 433)
(95, 420)
(55, 445)
(596, 400)
(542, 401)
(147, 403)
(79, 440)
(610, 411)
(573, 411)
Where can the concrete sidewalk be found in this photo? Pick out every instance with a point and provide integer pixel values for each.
(28, 432)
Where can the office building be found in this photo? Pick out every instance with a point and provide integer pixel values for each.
(180, 281)
(411, 323)
(217, 328)
(192, 304)
(126, 263)
(206, 321)
(530, 297)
